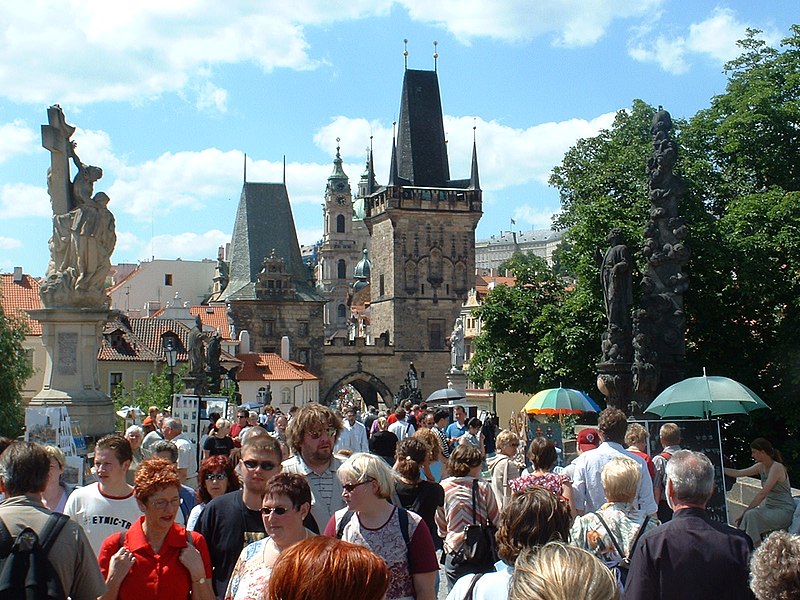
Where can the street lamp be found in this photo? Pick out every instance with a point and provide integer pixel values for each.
(172, 357)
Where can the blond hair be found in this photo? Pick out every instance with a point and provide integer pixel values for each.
(621, 477)
(505, 438)
(636, 434)
(363, 467)
(557, 571)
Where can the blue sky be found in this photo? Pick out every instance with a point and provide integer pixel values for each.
(168, 96)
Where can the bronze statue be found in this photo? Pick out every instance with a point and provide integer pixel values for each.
(615, 273)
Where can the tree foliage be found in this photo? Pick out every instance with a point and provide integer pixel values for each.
(15, 369)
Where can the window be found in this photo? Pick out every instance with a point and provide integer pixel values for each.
(167, 278)
(340, 224)
(382, 290)
(302, 356)
(269, 327)
(302, 328)
(341, 269)
(341, 312)
(436, 334)
(114, 379)
(286, 396)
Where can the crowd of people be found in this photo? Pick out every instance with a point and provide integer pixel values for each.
(327, 505)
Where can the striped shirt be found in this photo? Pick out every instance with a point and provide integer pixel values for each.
(457, 511)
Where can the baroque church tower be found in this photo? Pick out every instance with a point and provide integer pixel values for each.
(422, 225)
(344, 239)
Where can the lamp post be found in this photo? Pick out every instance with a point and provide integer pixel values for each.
(171, 354)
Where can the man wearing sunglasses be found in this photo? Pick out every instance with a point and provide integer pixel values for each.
(232, 521)
(312, 435)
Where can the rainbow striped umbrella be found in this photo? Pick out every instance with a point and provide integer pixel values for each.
(560, 401)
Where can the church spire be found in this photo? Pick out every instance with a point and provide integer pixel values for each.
(393, 163)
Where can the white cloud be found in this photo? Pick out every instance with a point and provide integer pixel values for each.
(309, 236)
(506, 156)
(7, 243)
(714, 38)
(139, 50)
(189, 245)
(17, 139)
(21, 200)
(536, 217)
(570, 25)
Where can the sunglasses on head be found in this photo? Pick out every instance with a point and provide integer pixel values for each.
(278, 510)
(264, 464)
(215, 476)
(349, 487)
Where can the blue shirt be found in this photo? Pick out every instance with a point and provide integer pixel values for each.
(454, 430)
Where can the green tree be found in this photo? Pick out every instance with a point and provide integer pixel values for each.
(15, 369)
(513, 323)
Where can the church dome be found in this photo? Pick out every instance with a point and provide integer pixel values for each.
(363, 266)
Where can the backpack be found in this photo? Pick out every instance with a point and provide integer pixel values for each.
(27, 573)
(620, 569)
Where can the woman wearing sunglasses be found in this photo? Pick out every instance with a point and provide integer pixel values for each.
(156, 554)
(287, 502)
(398, 536)
(217, 477)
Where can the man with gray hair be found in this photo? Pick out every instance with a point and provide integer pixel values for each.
(172, 429)
(691, 557)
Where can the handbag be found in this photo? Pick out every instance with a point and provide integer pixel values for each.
(479, 550)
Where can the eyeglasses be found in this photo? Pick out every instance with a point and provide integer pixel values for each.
(315, 435)
(215, 476)
(162, 504)
(278, 510)
(349, 487)
(265, 465)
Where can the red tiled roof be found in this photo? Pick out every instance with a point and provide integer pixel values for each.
(214, 317)
(482, 283)
(270, 367)
(19, 297)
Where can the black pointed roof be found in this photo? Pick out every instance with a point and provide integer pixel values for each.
(264, 222)
(421, 148)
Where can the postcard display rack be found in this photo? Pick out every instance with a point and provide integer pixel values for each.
(193, 412)
(52, 426)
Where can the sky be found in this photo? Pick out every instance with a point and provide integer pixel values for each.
(168, 97)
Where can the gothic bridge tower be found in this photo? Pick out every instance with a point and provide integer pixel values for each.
(422, 224)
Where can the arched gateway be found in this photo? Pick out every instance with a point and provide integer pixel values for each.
(368, 385)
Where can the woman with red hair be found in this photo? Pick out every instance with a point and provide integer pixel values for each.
(326, 568)
(156, 558)
(216, 477)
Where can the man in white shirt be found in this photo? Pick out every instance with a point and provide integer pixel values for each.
(401, 428)
(587, 486)
(108, 506)
(354, 435)
(187, 455)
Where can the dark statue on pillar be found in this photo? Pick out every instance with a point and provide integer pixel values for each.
(660, 323)
(616, 267)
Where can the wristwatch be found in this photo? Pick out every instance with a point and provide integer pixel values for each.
(201, 581)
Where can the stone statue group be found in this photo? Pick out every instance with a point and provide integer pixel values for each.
(84, 232)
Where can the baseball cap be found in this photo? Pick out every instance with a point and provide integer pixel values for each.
(588, 439)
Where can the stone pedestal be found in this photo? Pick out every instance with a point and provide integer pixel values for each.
(615, 382)
(457, 380)
(71, 337)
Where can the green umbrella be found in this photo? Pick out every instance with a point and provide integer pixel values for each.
(705, 397)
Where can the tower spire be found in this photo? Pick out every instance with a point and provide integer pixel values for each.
(474, 180)
(245, 168)
(405, 53)
(393, 165)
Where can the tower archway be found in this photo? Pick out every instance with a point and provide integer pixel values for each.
(371, 388)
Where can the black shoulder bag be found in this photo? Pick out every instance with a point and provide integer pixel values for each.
(479, 549)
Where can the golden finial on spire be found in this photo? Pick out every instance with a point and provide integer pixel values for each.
(405, 52)
(435, 55)
(474, 128)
